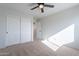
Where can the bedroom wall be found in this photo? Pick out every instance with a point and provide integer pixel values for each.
(57, 22)
(2, 29)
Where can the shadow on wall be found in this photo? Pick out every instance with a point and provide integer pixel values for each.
(61, 38)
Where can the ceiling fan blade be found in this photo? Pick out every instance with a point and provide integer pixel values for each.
(42, 10)
(51, 6)
(34, 7)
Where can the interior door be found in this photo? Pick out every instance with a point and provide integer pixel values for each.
(26, 29)
(2, 30)
(13, 30)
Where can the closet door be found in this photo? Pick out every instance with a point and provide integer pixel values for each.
(26, 29)
(2, 30)
(13, 30)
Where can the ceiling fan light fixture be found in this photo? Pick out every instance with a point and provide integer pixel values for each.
(41, 6)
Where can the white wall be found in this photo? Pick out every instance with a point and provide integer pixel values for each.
(59, 21)
(2, 30)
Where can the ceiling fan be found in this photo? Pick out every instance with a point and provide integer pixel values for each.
(41, 6)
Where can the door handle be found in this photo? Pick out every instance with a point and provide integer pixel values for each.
(7, 32)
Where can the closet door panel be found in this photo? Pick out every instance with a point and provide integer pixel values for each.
(26, 29)
(13, 30)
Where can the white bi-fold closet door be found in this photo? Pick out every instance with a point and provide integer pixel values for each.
(15, 29)
(18, 30)
(26, 29)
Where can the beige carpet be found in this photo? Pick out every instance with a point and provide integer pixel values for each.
(37, 48)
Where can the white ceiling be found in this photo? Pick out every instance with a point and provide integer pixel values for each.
(25, 8)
